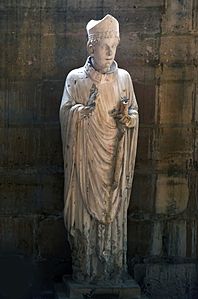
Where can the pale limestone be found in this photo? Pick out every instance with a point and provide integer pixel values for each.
(99, 122)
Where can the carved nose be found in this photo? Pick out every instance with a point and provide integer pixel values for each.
(109, 51)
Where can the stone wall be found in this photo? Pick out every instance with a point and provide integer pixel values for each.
(163, 214)
(167, 152)
(41, 41)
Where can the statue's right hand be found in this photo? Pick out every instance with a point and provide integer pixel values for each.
(93, 95)
(91, 103)
(88, 109)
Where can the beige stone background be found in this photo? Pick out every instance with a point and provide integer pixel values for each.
(41, 41)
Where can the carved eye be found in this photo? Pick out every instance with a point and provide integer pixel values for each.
(102, 46)
(106, 47)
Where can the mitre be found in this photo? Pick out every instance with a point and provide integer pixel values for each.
(104, 28)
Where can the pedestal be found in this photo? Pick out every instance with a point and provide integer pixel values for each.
(125, 290)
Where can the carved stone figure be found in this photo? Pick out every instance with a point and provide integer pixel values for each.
(99, 125)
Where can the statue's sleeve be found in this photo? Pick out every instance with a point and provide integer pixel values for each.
(69, 118)
(132, 134)
(69, 112)
(70, 99)
(133, 101)
(132, 119)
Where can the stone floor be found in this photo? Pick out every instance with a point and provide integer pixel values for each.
(20, 278)
(60, 294)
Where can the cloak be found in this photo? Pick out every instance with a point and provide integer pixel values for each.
(99, 155)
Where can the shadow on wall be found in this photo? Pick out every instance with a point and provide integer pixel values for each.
(22, 278)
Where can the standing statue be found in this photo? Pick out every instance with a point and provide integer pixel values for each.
(99, 126)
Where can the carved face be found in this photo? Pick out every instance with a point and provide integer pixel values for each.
(104, 53)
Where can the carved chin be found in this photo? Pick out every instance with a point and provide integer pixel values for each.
(107, 65)
(106, 69)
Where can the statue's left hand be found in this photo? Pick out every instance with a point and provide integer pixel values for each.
(126, 120)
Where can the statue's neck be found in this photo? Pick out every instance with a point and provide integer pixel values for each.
(98, 69)
(98, 76)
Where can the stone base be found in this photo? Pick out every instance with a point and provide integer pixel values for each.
(126, 290)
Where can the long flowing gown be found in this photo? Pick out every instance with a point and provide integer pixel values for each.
(99, 163)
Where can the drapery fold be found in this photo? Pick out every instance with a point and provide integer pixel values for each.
(99, 158)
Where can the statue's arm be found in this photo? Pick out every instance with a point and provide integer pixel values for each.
(130, 118)
(127, 115)
(70, 99)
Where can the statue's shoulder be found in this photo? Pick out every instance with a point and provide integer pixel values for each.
(75, 75)
(123, 73)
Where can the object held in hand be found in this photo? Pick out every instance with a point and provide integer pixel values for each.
(92, 95)
(124, 103)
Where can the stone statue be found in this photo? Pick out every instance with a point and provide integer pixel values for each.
(99, 126)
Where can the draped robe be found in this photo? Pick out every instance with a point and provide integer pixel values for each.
(99, 159)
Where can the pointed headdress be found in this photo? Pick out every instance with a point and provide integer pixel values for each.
(104, 28)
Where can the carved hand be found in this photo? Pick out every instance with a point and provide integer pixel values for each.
(128, 121)
(125, 117)
(91, 103)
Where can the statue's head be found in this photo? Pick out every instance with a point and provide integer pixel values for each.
(103, 39)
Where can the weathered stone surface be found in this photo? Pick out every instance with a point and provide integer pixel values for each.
(125, 290)
(195, 108)
(168, 280)
(177, 49)
(26, 146)
(139, 233)
(176, 73)
(157, 242)
(176, 238)
(33, 188)
(142, 199)
(172, 195)
(141, 74)
(48, 55)
(39, 46)
(22, 103)
(196, 149)
(180, 16)
(143, 49)
(135, 23)
(175, 102)
(51, 240)
(32, 104)
(175, 147)
(169, 238)
(147, 93)
(191, 238)
(17, 235)
(51, 94)
(145, 144)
